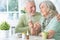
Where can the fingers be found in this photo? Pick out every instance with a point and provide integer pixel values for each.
(30, 24)
(51, 34)
(40, 34)
(34, 28)
(37, 26)
(33, 32)
(58, 17)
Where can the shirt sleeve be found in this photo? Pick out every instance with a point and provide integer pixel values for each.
(21, 27)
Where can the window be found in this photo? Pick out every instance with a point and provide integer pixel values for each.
(3, 5)
(10, 11)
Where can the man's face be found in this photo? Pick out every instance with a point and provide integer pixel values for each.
(31, 8)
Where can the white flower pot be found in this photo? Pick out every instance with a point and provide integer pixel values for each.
(4, 33)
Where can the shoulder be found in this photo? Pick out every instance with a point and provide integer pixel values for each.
(57, 18)
(54, 22)
(22, 16)
(38, 13)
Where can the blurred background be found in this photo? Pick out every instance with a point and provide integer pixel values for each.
(10, 10)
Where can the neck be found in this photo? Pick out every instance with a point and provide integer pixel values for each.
(46, 15)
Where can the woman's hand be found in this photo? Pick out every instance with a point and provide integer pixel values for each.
(51, 34)
(58, 17)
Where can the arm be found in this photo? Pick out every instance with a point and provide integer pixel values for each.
(21, 27)
(55, 26)
(50, 34)
(52, 28)
(31, 27)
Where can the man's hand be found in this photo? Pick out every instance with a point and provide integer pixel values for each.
(37, 26)
(32, 31)
(34, 28)
(31, 25)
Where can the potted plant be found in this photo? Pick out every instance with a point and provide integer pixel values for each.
(4, 29)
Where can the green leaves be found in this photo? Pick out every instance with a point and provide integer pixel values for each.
(4, 26)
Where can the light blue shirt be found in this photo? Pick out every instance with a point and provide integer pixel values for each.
(54, 25)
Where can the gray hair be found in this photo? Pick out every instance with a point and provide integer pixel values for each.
(50, 6)
(27, 1)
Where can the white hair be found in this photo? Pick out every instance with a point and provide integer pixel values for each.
(51, 7)
(27, 1)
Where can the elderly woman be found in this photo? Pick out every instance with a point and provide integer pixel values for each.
(48, 11)
(50, 20)
(53, 28)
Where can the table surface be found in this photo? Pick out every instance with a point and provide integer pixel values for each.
(30, 38)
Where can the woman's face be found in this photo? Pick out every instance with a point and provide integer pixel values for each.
(44, 9)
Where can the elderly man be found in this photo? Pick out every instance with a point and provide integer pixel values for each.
(30, 20)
